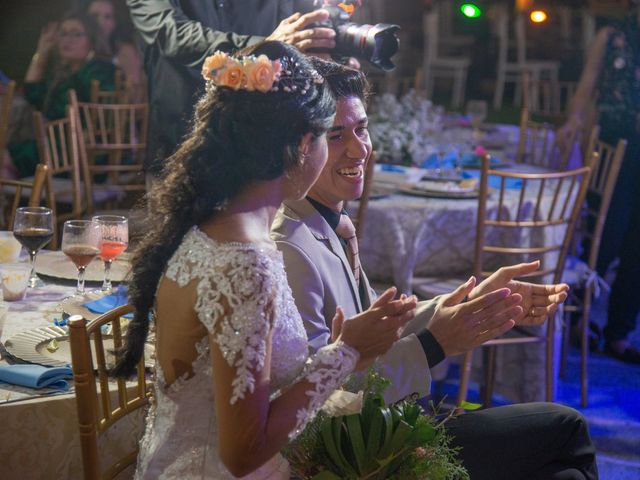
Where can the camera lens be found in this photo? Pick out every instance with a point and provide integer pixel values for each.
(375, 43)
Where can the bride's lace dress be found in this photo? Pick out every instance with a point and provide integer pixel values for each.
(181, 434)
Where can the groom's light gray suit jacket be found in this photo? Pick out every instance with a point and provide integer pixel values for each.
(321, 280)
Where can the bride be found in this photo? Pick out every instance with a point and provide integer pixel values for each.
(234, 380)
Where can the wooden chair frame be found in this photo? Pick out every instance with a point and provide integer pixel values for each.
(18, 187)
(562, 211)
(537, 144)
(605, 168)
(111, 129)
(58, 148)
(96, 412)
(5, 114)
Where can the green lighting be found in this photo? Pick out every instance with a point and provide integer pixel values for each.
(470, 10)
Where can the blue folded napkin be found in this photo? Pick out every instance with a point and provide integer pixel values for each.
(109, 302)
(36, 376)
(389, 167)
(494, 181)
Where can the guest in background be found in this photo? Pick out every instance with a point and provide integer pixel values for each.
(70, 55)
(612, 74)
(121, 46)
(534, 440)
(180, 34)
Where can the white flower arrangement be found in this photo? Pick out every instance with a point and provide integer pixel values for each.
(402, 129)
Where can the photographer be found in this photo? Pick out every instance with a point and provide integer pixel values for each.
(179, 34)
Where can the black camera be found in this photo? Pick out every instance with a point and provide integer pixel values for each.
(375, 43)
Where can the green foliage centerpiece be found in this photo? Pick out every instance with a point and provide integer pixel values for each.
(377, 442)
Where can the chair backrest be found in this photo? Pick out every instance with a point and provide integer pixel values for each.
(115, 131)
(605, 167)
(537, 144)
(58, 148)
(16, 188)
(430, 32)
(120, 93)
(552, 97)
(534, 218)
(97, 410)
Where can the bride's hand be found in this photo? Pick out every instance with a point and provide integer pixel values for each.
(374, 331)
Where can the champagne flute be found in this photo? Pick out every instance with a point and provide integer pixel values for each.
(114, 230)
(81, 243)
(33, 228)
(477, 112)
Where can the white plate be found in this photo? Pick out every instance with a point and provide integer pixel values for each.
(31, 346)
(75, 305)
(444, 187)
(420, 192)
(58, 265)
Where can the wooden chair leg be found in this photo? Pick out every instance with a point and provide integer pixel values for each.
(584, 348)
(465, 375)
(499, 90)
(566, 332)
(489, 367)
(549, 359)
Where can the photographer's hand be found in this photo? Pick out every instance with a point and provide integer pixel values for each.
(295, 31)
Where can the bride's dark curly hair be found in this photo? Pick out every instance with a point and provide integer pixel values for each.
(237, 137)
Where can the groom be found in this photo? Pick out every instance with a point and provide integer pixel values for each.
(539, 440)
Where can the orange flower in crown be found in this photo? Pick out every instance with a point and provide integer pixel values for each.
(212, 64)
(231, 75)
(247, 73)
(262, 73)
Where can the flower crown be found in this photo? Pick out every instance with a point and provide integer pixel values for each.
(260, 74)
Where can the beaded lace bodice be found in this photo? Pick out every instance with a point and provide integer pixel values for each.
(181, 434)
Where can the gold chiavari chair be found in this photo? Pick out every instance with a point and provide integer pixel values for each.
(605, 167)
(117, 135)
(537, 144)
(97, 410)
(517, 222)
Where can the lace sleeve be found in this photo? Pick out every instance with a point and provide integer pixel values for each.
(327, 370)
(235, 307)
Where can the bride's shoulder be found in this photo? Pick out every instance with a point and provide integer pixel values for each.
(200, 255)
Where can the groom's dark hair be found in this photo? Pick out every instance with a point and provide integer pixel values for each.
(343, 81)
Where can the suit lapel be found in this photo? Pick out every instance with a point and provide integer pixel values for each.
(325, 235)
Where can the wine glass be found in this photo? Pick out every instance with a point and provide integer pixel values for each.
(477, 112)
(114, 230)
(81, 243)
(33, 228)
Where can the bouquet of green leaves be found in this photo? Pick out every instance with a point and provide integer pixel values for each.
(379, 442)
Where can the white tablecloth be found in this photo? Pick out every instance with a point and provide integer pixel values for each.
(39, 436)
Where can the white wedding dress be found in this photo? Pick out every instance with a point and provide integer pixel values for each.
(181, 440)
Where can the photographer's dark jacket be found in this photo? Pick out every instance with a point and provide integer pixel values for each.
(178, 35)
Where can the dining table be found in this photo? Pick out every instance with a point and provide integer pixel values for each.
(39, 436)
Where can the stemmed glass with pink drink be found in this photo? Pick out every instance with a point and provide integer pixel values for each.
(114, 230)
(81, 241)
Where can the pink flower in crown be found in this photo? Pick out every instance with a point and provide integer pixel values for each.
(212, 64)
(262, 73)
(232, 75)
